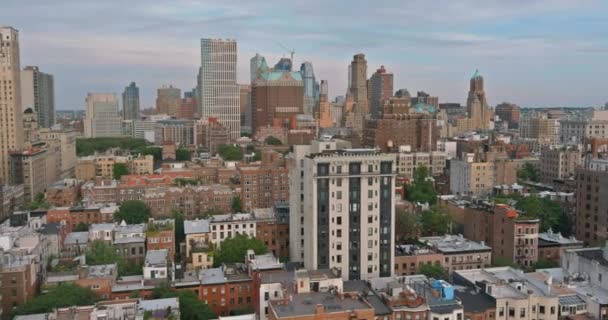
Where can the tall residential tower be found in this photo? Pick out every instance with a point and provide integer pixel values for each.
(38, 93)
(102, 119)
(11, 125)
(219, 92)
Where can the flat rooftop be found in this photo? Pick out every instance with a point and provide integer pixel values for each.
(454, 244)
(305, 304)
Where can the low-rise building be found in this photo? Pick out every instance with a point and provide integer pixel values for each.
(409, 259)
(160, 234)
(157, 265)
(63, 193)
(408, 162)
(98, 278)
(460, 253)
(552, 244)
(516, 295)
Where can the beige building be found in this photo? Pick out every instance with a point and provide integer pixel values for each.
(102, 119)
(408, 162)
(517, 295)
(544, 130)
(559, 162)
(460, 253)
(65, 140)
(168, 100)
(11, 125)
(469, 176)
(103, 165)
(30, 169)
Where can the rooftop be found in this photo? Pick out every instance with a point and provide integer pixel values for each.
(552, 238)
(80, 237)
(306, 303)
(101, 271)
(196, 226)
(101, 226)
(455, 243)
(157, 258)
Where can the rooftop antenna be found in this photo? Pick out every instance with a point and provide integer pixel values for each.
(291, 52)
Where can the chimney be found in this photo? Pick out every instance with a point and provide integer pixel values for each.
(319, 309)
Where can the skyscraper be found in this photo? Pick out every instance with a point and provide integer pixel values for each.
(358, 84)
(358, 91)
(381, 87)
(130, 102)
(11, 125)
(168, 100)
(256, 63)
(102, 119)
(38, 93)
(477, 104)
(311, 87)
(218, 88)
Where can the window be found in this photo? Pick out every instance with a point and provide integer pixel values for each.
(501, 312)
(522, 312)
(511, 312)
(541, 309)
(552, 310)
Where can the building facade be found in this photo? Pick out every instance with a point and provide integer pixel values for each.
(168, 100)
(219, 92)
(102, 119)
(350, 225)
(11, 124)
(38, 93)
(381, 88)
(130, 102)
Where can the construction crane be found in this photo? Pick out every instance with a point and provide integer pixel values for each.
(291, 52)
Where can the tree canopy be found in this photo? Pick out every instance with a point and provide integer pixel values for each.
(190, 307)
(100, 252)
(156, 152)
(182, 154)
(434, 221)
(234, 249)
(59, 296)
(230, 152)
(119, 170)
(273, 141)
(528, 172)
(550, 213)
(236, 205)
(407, 225)
(88, 146)
(39, 202)
(434, 271)
(421, 190)
(132, 212)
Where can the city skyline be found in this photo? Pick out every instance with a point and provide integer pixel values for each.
(528, 52)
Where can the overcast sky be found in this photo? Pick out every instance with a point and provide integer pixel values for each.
(530, 52)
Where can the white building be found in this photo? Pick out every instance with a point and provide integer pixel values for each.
(156, 265)
(102, 118)
(347, 195)
(219, 91)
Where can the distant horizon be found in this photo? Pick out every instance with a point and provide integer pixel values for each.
(529, 52)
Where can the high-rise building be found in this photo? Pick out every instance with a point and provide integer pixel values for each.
(358, 84)
(325, 114)
(508, 112)
(347, 198)
(102, 119)
(130, 102)
(477, 105)
(245, 103)
(168, 100)
(381, 87)
(311, 87)
(276, 97)
(38, 93)
(219, 91)
(11, 112)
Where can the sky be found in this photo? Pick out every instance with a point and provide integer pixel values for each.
(535, 53)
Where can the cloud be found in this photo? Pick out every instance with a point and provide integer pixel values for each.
(432, 45)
